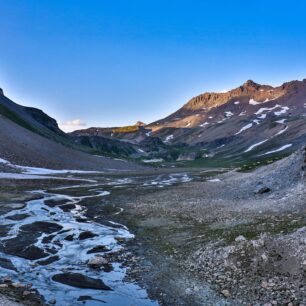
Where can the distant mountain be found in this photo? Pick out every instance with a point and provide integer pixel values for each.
(248, 122)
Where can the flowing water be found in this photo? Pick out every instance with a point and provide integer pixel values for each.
(45, 226)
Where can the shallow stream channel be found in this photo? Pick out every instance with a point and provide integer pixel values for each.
(67, 256)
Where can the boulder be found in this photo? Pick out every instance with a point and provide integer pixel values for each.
(80, 281)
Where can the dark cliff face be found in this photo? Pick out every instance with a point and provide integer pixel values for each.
(1, 92)
(44, 119)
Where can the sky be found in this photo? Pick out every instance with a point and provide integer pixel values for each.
(112, 63)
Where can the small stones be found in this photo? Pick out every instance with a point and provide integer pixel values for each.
(240, 238)
(97, 262)
(304, 265)
(264, 257)
(226, 293)
(18, 285)
(262, 190)
(52, 302)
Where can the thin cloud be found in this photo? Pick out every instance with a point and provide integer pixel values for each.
(71, 125)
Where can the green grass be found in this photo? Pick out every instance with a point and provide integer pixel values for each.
(126, 129)
(6, 112)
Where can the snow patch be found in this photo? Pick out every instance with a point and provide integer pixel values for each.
(279, 149)
(214, 180)
(255, 145)
(43, 171)
(253, 102)
(282, 111)
(154, 160)
(229, 114)
(168, 138)
(246, 127)
(237, 102)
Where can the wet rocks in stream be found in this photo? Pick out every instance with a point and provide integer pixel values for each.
(41, 227)
(67, 207)
(98, 249)
(87, 235)
(80, 281)
(23, 246)
(48, 261)
(18, 217)
(7, 264)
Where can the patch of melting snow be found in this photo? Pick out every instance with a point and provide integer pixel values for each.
(168, 138)
(246, 127)
(44, 171)
(140, 150)
(242, 113)
(255, 145)
(237, 102)
(168, 180)
(22, 176)
(149, 133)
(203, 124)
(73, 254)
(253, 102)
(153, 160)
(256, 121)
(220, 146)
(279, 149)
(262, 116)
(214, 180)
(229, 114)
(282, 131)
(282, 121)
(282, 111)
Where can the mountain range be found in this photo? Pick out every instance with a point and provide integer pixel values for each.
(250, 123)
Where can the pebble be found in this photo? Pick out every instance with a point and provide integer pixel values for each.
(18, 285)
(97, 262)
(240, 238)
(226, 293)
(26, 293)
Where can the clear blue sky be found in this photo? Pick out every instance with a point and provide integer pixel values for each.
(114, 62)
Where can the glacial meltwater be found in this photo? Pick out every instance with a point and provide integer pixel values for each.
(50, 242)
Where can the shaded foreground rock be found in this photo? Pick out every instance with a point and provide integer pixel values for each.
(7, 264)
(87, 235)
(22, 246)
(41, 226)
(80, 281)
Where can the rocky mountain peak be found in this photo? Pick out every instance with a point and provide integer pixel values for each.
(251, 84)
(1, 92)
(139, 123)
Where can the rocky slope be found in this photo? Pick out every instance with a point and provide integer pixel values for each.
(29, 137)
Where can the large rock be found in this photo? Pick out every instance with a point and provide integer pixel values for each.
(23, 246)
(41, 226)
(87, 235)
(80, 281)
(7, 264)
